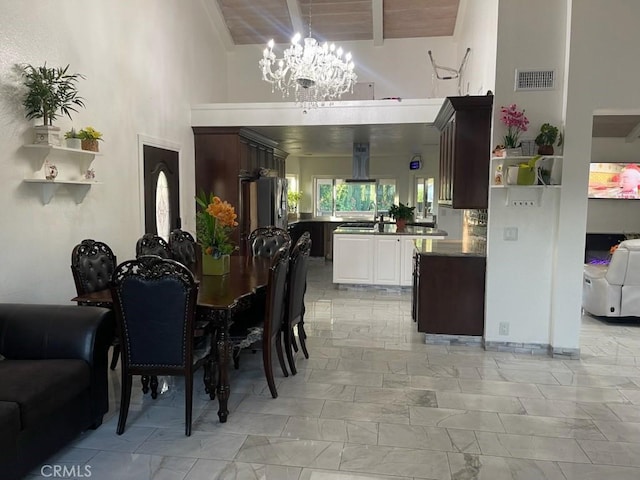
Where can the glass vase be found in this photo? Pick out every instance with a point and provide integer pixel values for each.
(216, 266)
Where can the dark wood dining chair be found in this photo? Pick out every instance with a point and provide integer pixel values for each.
(92, 264)
(155, 304)
(152, 244)
(266, 241)
(249, 331)
(186, 250)
(296, 288)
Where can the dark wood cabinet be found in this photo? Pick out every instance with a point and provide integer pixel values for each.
(448, 295)
(315, 229)
(465, 151)
(226, 155)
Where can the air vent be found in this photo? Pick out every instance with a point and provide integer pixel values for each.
(535, 79)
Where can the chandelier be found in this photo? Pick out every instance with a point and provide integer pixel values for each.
(314, 73)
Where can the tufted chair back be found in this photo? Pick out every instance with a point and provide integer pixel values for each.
(92, 264)
(185, 250)
(152, 244)
(266, 241)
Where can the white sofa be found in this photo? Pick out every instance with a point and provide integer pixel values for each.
(614, 290)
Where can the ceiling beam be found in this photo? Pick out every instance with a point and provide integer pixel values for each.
(633, 134)
(296, 17)
(378, 22)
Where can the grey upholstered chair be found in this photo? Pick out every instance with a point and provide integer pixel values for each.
(296, 288)
(266, 241)
(155, 304)
(92, 264)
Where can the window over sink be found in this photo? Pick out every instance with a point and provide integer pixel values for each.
(368, 199)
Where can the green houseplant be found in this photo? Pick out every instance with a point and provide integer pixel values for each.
(401, 213)
(51, 91)
(547, 138)
(215, 221)
(73, 139)
(90, 137)
(293, 199)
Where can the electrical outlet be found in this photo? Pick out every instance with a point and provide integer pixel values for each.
(503, 328)
(510, 234)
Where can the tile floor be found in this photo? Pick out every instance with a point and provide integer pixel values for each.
(375, 402)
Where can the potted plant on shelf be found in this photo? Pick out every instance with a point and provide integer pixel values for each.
(516, 123)
(215, 221)
(73, 139)
(90, 137)
(50, 91)
(401, 213)
(547, 138)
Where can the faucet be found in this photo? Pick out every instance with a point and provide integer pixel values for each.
(381, 223)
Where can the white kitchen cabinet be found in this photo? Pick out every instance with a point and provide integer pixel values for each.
(406, 262)
(386, 251)
(353, 259)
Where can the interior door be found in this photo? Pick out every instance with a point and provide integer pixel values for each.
(161, 191)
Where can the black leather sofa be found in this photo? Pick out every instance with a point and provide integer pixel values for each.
(53, 379)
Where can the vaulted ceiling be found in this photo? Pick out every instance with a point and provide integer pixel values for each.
(257, 21)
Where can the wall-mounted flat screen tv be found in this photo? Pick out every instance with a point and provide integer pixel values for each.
(614, 180)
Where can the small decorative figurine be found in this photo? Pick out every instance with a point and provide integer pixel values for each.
(51, 171)
(90, 174)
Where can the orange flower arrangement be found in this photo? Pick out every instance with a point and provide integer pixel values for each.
(214, 224)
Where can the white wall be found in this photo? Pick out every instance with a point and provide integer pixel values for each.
(603, 35)
(399, 68)
(477, 29)
(145, 63)
(531, 35)
(613, 216)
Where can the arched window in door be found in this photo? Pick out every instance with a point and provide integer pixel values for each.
(163, 207)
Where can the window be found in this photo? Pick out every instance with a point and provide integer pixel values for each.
(424, 197)
(335, 196)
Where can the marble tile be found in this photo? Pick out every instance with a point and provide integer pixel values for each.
(428, 438)
(199, 445)
(527, 362)
(379, 366)
(395, 461)
(369, 355)
(562, 408)
(531, 447)
(438, 384)
(220, 470)
(581, 394)
(612, 453)
(404, 396)
(281, 406)
(313, 474)
(620, 431)
(579, 471)
(354, 342)
(131, 466)
(312, 428)
(365, 379)
(632, 396)
(449, 418)
(244, 423)
(291, 452)
(481, 467)
(371, 412)
(105, 438)
(625, 412)
(551, 426)
(518, 376)
(582, 380)
(322, 391)
(444, 371)
(507, 389)
(485, 403)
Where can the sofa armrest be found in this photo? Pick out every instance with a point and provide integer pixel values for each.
(54, 331)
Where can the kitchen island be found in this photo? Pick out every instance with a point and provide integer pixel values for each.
(378, 255)
(449, 287)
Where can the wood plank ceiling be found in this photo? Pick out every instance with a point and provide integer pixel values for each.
(256, 21)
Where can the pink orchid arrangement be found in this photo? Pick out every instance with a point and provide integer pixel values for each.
(516, 122)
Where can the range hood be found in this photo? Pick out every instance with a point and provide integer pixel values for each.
(360, 161)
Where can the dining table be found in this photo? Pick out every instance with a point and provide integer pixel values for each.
(220, 298)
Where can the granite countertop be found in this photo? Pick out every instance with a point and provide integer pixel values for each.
(390, 229)
(329, 219)
(472, 247)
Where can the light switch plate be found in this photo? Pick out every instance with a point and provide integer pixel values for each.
(510, 234)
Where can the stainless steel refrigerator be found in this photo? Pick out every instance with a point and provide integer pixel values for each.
(263, 203)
